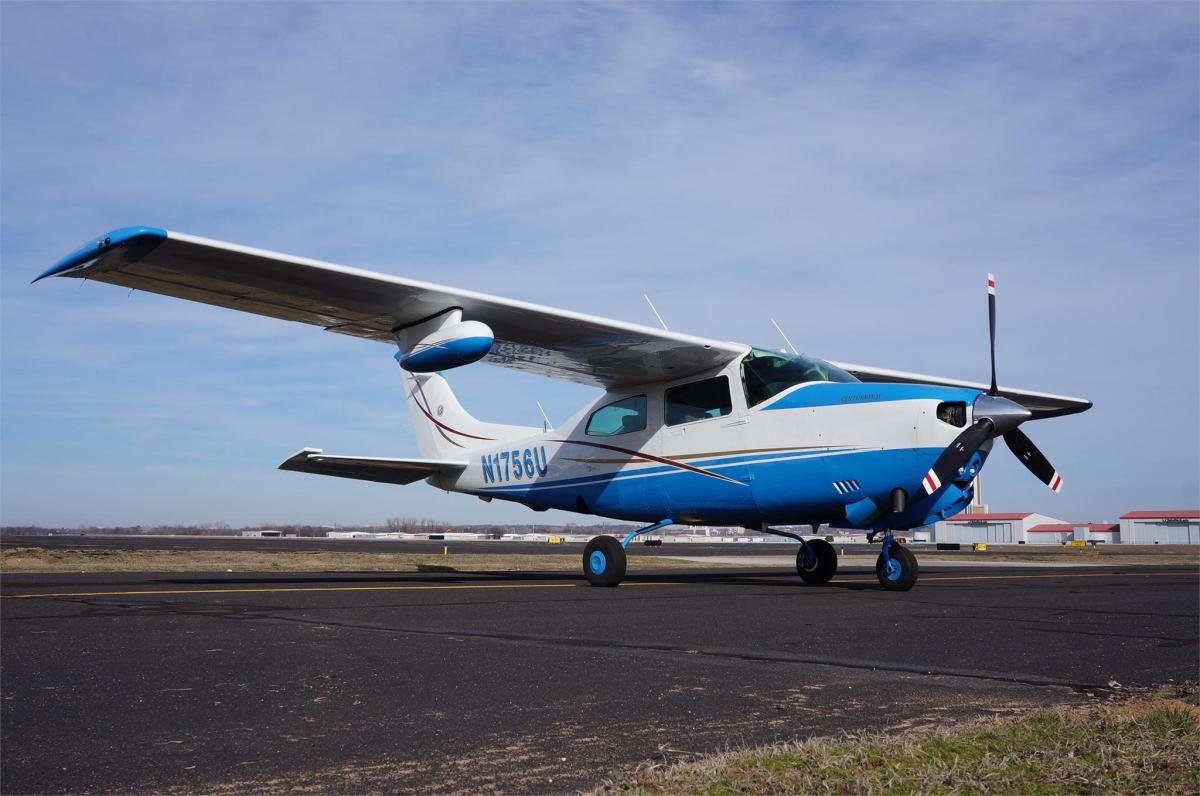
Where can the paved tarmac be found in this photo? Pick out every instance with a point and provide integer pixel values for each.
(484, 547)
(536, 683)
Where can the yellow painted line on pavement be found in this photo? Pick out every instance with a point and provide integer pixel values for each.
(261, 590)
(925, 578)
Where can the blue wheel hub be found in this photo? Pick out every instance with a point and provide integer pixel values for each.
(597, 562)
(808, 558)
(893, 570)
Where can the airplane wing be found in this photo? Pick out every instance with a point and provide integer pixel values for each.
(366, 468)
(528, 337)
(1040, 403)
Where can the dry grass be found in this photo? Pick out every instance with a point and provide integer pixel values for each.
(48, 560)
(1108, 554)
(1146, 744)
(40, 560)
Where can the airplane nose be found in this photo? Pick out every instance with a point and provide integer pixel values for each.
(1004, 414)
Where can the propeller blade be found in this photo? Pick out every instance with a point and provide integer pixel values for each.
(1024, 449)
(956, 455)
(995, 390)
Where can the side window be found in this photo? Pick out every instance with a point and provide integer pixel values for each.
(698, 400)
(619, 417)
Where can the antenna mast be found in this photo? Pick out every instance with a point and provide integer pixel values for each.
(785, 338)
(656, 315)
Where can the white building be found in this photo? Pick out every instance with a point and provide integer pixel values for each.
(1055, 533)
(1172, 526)
(990, 528)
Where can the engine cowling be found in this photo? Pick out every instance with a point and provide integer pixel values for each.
(449, 347)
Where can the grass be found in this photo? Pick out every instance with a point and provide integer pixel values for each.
(1145, 744)
(49, 560)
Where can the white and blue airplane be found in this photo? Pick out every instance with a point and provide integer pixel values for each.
(688, 431)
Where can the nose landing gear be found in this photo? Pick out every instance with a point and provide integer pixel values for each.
(896, 567)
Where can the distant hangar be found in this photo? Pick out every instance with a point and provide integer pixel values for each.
(1177, 526)
(1172, 526)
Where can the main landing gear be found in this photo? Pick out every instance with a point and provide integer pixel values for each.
(896, 567)
(604, 557)
(816, 560)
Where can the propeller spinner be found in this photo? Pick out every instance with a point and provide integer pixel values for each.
(994, 416)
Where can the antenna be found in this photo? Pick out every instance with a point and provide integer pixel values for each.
(785, 338)
(656, 315)
(547, 425)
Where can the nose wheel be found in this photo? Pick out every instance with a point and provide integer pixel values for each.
(896, 567)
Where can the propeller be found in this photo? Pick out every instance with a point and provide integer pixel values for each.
(994, 416)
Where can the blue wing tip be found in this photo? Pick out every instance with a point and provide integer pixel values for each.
(98, 246)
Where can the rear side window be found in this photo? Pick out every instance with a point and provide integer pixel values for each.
(698, 401)
(619, 417)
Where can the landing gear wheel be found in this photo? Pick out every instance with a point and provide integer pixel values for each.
(604, 561)
(816, 561)
(900, 573)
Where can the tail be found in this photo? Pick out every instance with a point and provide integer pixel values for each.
(444, 429)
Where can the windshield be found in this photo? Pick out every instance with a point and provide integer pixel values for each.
(765, 374)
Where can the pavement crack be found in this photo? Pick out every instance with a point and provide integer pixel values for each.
(723, 653)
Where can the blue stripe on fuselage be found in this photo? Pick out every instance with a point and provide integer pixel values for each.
(816, 394)
(663, 470)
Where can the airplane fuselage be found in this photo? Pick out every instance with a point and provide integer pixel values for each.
(817, 452)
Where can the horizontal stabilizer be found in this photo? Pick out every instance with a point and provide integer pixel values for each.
(369, 468)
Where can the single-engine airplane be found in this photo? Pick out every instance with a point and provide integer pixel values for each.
(688, 431)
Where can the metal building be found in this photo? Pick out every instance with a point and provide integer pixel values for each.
(991, 528)
(1054, 533)
(1171, 526)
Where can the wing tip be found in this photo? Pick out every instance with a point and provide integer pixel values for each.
(299, 457)
(97, 247)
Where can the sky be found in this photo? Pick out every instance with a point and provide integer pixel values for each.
(853, 170)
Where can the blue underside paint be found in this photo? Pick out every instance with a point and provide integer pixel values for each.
(96, 248)
(782, 491)
(830, 394)
(446, 355)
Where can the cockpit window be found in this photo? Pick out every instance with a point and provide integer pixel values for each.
(765, 374)
(619, 417)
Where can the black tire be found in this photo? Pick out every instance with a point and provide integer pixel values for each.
(604, 561)
(903, 574)
(816, 561)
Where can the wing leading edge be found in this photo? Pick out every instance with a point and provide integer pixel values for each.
(558, 343)
(586, 349)
(367, 468)
(1042, 404)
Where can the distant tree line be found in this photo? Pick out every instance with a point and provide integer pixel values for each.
(391, 525)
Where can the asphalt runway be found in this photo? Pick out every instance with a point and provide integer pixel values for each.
(484, 547)
(536, 683)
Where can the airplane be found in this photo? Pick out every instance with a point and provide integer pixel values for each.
(688, 431)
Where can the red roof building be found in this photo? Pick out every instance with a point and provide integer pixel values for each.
(1165, 514)
(1166, 526)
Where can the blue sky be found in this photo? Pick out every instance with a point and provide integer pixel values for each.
(852, 170)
